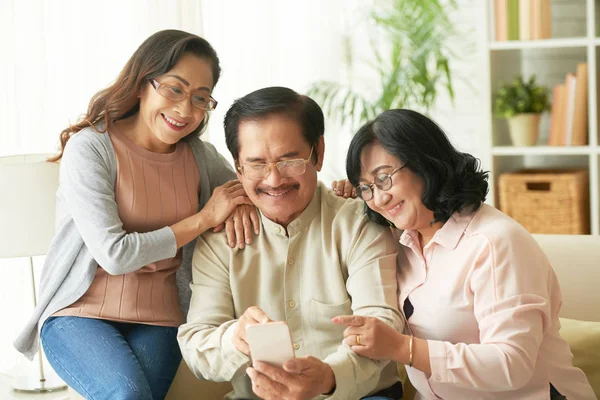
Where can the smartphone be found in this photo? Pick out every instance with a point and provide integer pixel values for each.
(270, 342)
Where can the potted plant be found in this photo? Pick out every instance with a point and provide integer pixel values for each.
(522, 103)
(411, 42)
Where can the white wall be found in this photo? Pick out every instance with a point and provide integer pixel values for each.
(260, 43)
(464, 119)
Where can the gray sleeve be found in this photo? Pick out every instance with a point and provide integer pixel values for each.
(214, 170)
(218, 168)
(88, 185)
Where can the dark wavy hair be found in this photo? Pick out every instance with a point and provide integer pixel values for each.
(156, 55)
(274, 100)
(453, 181)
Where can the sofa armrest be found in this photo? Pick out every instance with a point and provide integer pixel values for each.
(575, 261)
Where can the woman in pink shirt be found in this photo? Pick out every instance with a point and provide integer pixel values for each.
(480, 297)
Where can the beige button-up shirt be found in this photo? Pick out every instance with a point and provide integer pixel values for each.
(332, 261)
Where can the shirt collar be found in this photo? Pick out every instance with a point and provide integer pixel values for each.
(301, 221)
(447, 236)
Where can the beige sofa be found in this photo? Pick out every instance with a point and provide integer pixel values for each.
(576, 260)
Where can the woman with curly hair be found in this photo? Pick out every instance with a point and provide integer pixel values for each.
(480, 297)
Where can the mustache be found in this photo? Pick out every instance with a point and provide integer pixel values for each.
(281, 188)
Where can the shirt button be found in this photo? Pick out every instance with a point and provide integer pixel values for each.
(278, 230)
(291, 261)
(291, 303)
(296, 346)
(438, 377)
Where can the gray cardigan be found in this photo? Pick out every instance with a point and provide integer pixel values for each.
(89, 231)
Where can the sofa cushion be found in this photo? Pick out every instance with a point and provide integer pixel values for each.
(584, 339)
(187, 386)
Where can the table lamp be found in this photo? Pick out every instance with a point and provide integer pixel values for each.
(27, 212)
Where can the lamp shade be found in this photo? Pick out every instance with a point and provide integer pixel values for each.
(28, 185)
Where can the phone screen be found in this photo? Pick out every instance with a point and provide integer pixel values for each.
(270, 342)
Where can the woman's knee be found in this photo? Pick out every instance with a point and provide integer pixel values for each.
(93, 358)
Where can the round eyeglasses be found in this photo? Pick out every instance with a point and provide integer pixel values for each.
(286, 168)
(199, 100)
(382, 182)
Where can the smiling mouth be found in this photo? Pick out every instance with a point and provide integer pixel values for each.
(276, 192)
(394, 210)
(177, 125)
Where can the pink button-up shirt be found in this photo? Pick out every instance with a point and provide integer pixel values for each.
(487, 299)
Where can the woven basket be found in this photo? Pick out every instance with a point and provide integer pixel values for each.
(547, 201)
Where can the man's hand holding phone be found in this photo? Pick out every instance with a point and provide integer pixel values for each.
(253, 315)
(300, 378)
(276, 373)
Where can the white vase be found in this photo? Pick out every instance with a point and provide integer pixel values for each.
(524, 129)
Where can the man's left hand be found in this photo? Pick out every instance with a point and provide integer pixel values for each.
(299, 379)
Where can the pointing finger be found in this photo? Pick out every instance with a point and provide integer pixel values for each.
(349, 320)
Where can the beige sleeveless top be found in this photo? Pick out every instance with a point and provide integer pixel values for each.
(152, 190)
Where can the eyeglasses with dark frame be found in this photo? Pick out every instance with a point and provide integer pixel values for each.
(286, 168)
(175, 93)
(381, 181)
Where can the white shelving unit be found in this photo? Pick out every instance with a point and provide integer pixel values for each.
(575, 38)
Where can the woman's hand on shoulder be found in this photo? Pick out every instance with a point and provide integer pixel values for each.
(240, 224)
(223, 201)
(343, 188)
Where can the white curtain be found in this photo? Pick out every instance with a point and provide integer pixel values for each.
(57, 53)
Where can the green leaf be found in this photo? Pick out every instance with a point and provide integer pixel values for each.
(519, 97)
(411, 42)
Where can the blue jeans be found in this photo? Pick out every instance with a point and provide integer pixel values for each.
(112, 360)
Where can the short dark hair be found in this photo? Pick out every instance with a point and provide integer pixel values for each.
(453, 181)
(274, 100)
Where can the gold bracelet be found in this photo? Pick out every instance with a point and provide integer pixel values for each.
(410, 352)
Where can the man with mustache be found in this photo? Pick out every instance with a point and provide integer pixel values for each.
(318, 256)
